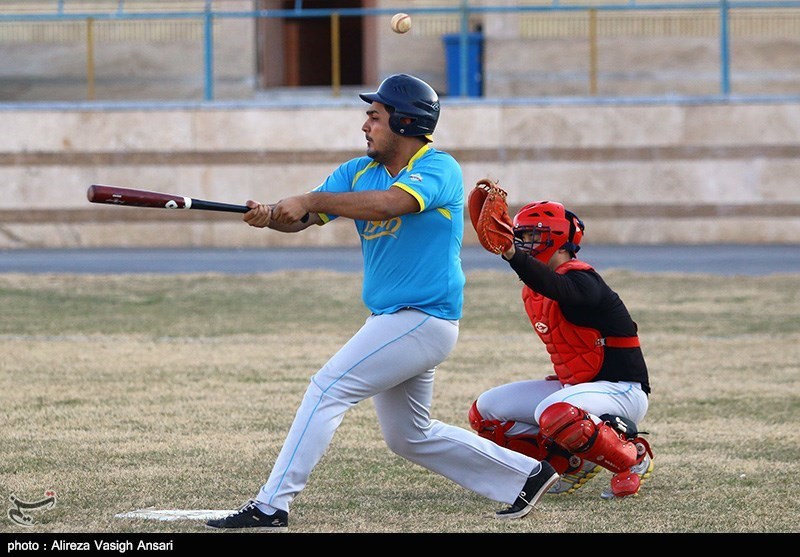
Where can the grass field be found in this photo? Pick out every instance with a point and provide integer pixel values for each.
(124, 392)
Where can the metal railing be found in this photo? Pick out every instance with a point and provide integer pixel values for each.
(206, 13)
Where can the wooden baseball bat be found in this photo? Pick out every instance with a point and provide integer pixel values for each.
(143, 198)
(114, 195)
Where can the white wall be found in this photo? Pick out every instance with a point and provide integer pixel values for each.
(666, 173)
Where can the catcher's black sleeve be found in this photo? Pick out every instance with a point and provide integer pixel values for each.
(573, 288)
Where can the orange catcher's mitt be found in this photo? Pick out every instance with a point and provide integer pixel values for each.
(488, 210)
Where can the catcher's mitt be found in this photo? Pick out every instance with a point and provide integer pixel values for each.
(488, 210)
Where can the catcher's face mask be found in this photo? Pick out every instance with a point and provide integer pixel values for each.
(537, 241)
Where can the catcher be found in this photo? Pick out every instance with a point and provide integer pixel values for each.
(585, 416)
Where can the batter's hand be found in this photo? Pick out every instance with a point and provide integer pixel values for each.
(259, 214)
(290, 210)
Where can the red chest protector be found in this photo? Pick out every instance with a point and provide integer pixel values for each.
(577, 352)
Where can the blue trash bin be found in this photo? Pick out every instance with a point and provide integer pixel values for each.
(452, 49)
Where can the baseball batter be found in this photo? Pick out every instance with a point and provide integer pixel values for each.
(406, 199)
(585, 416)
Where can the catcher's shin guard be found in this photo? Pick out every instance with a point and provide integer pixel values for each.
(534, 446)
(573, 429)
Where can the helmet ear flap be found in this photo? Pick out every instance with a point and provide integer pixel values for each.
(397, 124)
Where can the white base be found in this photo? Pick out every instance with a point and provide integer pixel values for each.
(174, 514)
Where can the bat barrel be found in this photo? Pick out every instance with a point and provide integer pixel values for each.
(114, 195)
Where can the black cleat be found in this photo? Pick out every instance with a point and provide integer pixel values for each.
(536, 486)
(249, 516)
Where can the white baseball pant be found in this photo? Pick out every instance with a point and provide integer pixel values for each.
(392, 359)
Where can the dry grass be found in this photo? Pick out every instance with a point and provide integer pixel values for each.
(125, 392)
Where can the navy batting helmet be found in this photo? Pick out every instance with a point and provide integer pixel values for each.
(409, 97)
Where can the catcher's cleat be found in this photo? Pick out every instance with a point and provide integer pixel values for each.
(571, 482)
(536, 486)
(249, 516)
(628, 483)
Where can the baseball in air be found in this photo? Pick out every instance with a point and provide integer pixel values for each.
(401, 23)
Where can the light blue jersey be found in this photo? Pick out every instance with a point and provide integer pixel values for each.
(413, 260)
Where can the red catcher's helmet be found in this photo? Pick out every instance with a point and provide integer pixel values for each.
(557, 228)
